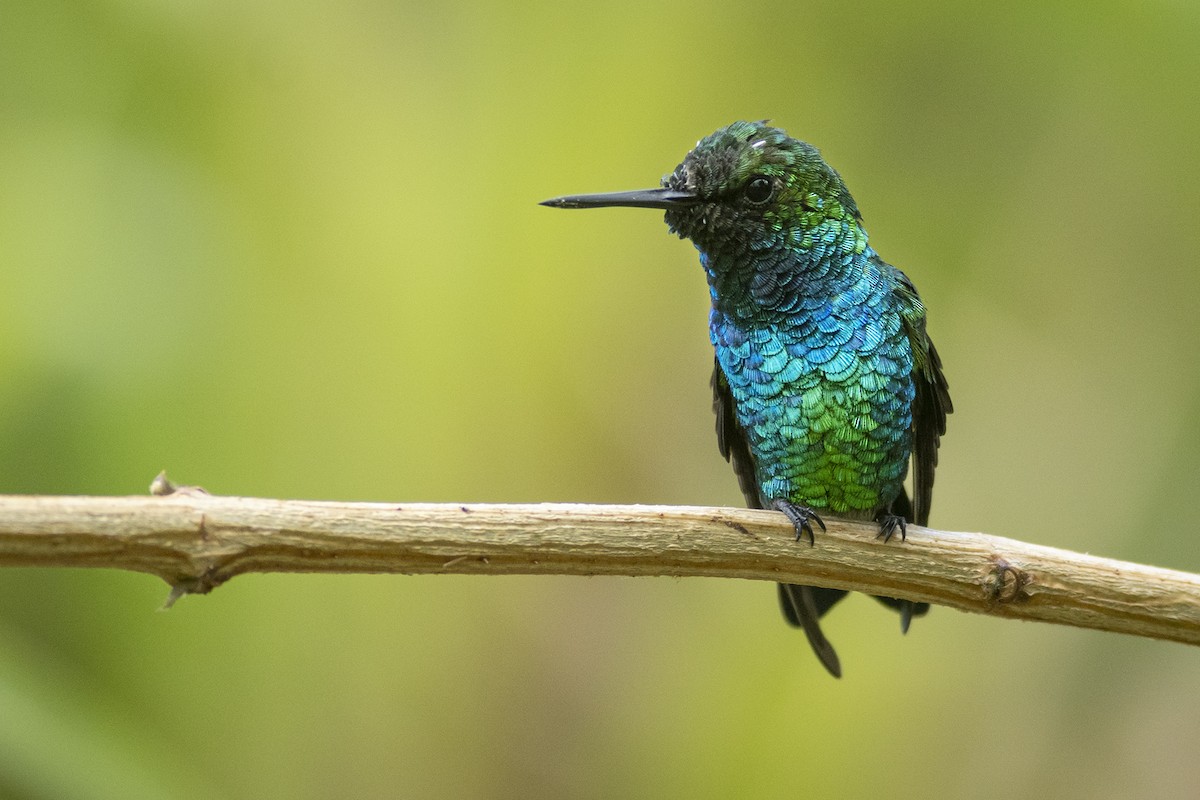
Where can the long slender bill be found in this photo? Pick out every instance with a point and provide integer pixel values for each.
(638, 198)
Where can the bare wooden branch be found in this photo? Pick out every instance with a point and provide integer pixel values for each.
(196, 541)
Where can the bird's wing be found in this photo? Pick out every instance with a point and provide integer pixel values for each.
(932, 402)
(731, 441)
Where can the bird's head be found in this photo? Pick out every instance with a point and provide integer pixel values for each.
(748, 187)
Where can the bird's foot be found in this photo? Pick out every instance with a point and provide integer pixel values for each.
(889, 524)
(801, 518)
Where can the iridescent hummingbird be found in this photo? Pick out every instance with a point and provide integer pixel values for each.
(825, 381)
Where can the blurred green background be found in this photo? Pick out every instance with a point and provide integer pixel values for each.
(293, 250)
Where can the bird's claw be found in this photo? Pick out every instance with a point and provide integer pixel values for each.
(889, 524)
(801, 518)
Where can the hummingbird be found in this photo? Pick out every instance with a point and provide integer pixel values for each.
(825, 382)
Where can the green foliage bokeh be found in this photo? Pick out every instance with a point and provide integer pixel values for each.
(293, 250)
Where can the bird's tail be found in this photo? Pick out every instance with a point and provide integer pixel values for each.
(906, 608)
(803, 607)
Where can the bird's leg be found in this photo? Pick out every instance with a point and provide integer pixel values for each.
(889, 523)
(801, 518)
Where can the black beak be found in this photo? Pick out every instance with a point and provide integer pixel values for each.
(639, 198)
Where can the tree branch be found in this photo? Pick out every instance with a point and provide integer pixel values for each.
(196, 541)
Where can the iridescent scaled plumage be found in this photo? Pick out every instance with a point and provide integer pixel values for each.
(825, 382)
(807, 321)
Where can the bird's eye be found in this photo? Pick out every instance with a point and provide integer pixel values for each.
(758, 190)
